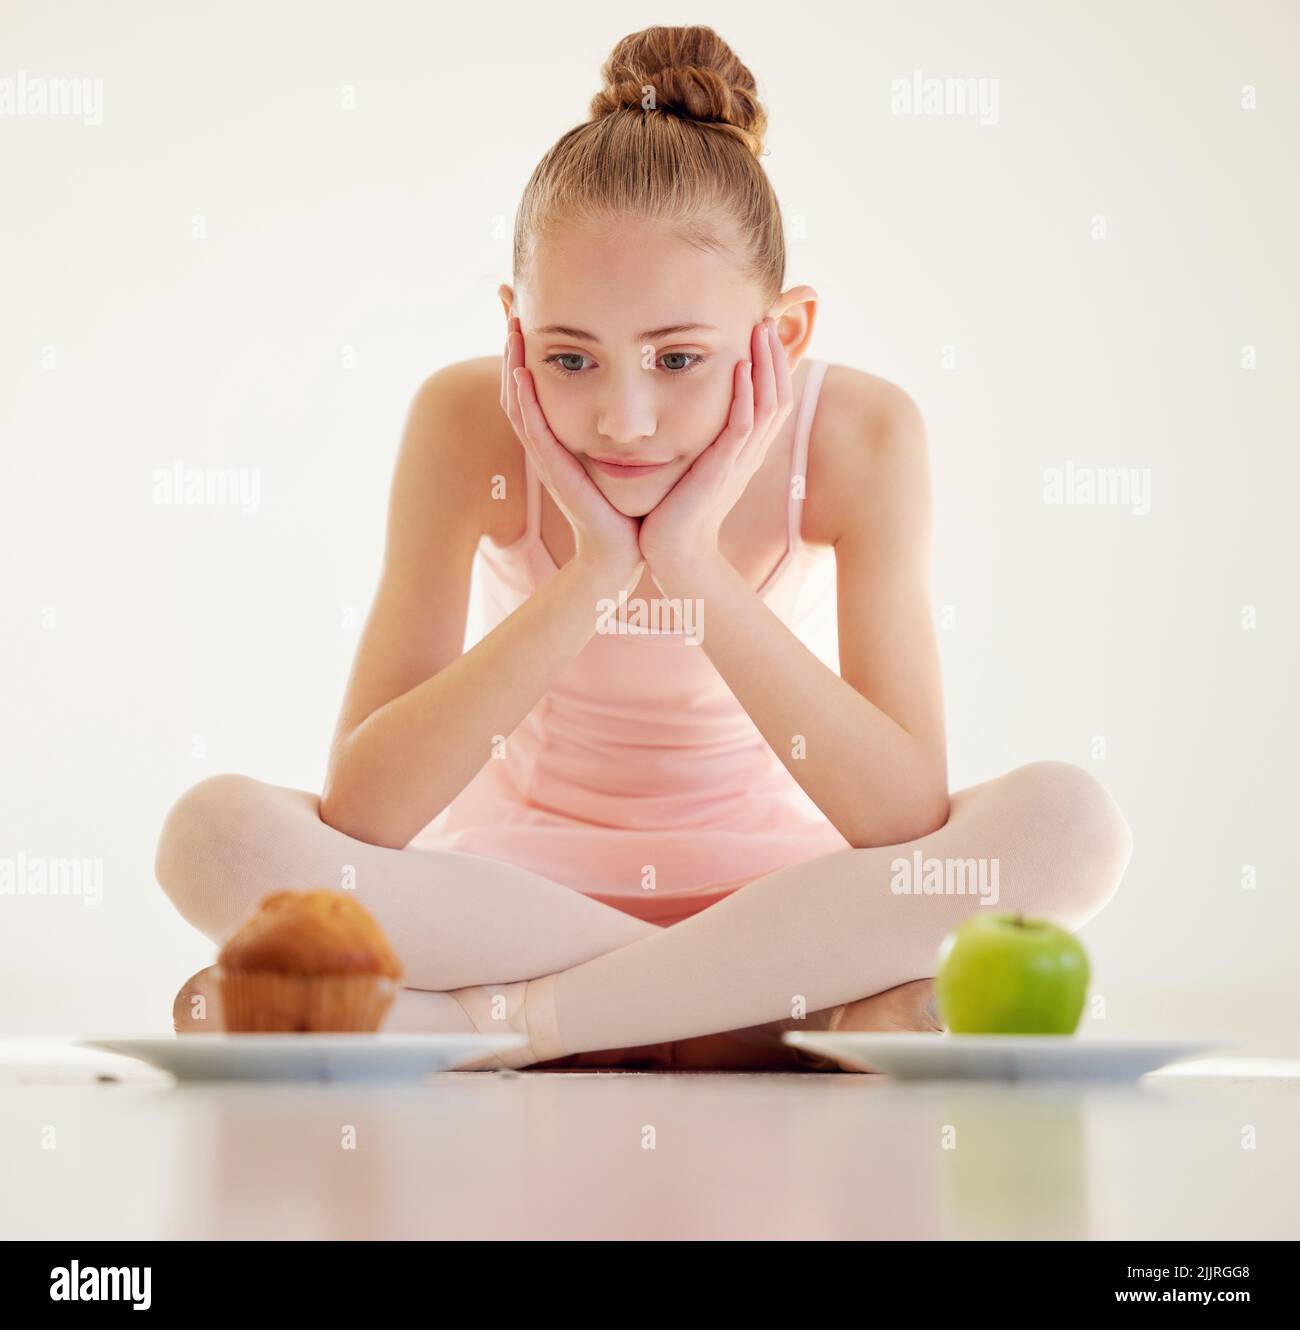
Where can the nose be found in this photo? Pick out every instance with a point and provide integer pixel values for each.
(626, 412)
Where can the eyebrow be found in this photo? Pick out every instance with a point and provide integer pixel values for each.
(577, 334)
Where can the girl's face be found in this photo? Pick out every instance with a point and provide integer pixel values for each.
(633, 336)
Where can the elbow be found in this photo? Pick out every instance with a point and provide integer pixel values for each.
(920, 815)
(355, 817)
(336, 814)
(334, 808)
(929, 816)
(359, 824)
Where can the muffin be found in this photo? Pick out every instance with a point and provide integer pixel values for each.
(307, 961)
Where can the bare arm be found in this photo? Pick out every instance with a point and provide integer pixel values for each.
(874, 758)
(419, 717)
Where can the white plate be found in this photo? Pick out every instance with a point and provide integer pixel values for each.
(306, 1057)
(997, 1057)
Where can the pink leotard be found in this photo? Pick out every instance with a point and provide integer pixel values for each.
(638, 778)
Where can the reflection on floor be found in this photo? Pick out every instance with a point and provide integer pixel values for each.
(605, 1154)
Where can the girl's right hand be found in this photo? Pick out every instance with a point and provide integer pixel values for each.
(601, 534)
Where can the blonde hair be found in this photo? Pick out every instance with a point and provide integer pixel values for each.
(674, 135)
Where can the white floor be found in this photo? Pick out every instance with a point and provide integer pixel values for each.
(1206, 1150)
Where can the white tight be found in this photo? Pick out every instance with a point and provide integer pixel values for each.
(804, 938)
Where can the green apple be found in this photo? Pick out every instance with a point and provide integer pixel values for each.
(1007, 974)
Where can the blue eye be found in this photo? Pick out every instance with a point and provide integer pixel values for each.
(694, 357)
(565, 355)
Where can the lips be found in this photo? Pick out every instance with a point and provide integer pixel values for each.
(625, 471)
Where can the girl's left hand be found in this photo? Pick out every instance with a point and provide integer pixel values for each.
(683, 527)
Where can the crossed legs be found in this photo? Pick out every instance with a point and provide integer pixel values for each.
(831, 930)
(797, 942)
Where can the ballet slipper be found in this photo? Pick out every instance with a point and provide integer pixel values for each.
(524, 1007)
(908, 1008)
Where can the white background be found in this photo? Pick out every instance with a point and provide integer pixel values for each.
(127, 345)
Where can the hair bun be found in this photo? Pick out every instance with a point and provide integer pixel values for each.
(687, 72)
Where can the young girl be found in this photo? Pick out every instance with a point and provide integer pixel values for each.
(663, 847)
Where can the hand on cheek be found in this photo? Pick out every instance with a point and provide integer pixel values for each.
(683, 528)
(601, 533)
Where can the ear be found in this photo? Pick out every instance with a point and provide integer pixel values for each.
(507, 297)
(795, 312)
